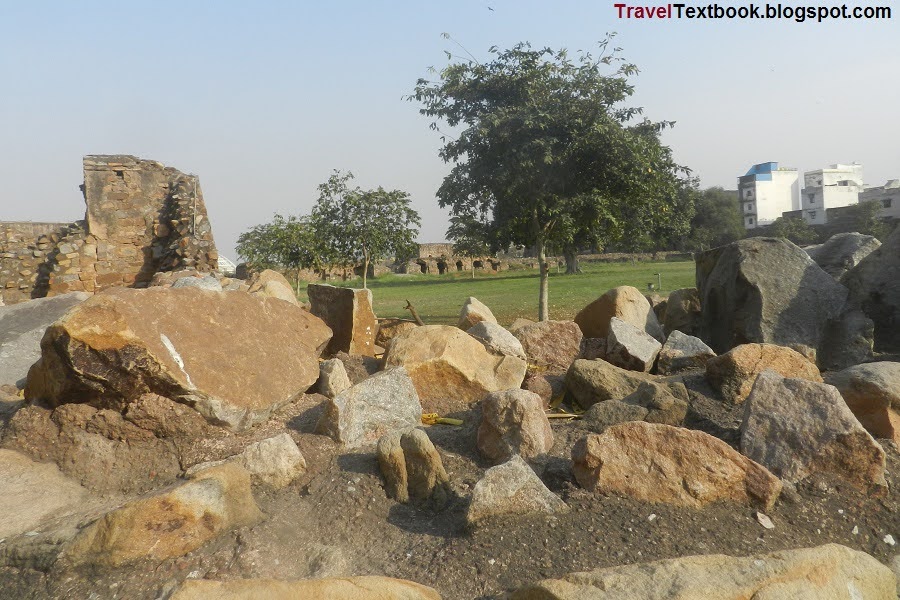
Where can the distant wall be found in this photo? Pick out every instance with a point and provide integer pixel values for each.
(24, 247)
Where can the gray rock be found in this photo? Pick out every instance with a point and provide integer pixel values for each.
(848, 341)
(592, 381)
(682, 312)
(765, 290)
(842, 251)
(629, 347)
(796, 428)
(473, 312)
(207, 282)
(683, 352)
(511, 488)
(497, 339)
(603, 415)
(361, 414)
(875, 288)
(333, 378)
(275, 461)
(661, 404)
(513, 422)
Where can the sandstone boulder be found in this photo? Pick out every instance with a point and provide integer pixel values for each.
(388, 329)
(629, 347)
(734, 372)
(659, 463)
(765, 290)
(624, 302)
(473, 312)
(829, 572)
(796, 428)
(232, 357)
(511, 489)
(497, 339)
(875, 288)
(412, 468)
(592, 381)
(550, 344)
(843, 251)
(170, 523)
(872, 392)
(513, 422)
(451, 369)
(683, 352)
(378, 405)
(682, 312)
(344, 588)
(348, 312)
(272, 284)
(333, 378)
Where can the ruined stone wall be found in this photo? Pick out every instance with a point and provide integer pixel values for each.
(141, 217)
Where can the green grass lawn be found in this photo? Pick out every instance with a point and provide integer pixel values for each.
(513, 294)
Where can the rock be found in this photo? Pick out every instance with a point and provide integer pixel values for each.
(426, 479)
(624, 302)
(171, 523)
(21, 328)
(604, 415)
(378, 405)
(232, 357)
(734, 372)
(872, 392)
(388, 329)
(744, 302)
(593, 348)
(659, 463)
(796, 428)
(592, 381)
(474, 312)
(34, 492)
(359, 367)
(272, 284)
(662, 405)
(629, 347)
(875, 288)
(497, 340)
(848, 341)
(511, 489)
(207, 282)
(513, 422)
(548, 387)
(451, 369)
(830, 572)
(550, 344)
(348, 312)
(333, 378)
(843, 251)
(518, 323)
(274, 461)
(392, 464)
(344, 588)
(683, 352)
(682, 312)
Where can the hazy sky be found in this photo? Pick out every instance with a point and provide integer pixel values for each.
(262, 100)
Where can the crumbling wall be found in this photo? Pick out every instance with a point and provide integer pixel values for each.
(24, 247)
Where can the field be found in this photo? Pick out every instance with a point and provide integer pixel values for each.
(513, 294)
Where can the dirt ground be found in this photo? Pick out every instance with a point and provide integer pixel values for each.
(336, 520)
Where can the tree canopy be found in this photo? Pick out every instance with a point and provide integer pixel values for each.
(717, 220)
(547, 148)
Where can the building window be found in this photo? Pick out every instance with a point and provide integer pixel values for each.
(748, 193)
(750, 221)
(812, 198)
(812, 214)
(887, 202)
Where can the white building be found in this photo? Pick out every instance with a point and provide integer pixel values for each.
(838, 185)
(888, 195)
(766, 191)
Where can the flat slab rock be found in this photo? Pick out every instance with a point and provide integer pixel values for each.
(830, 572)
(235, 358)
(349, 314)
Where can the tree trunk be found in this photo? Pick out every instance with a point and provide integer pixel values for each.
(365, 269)
(543, 310)
(571, 256)
(473, 268)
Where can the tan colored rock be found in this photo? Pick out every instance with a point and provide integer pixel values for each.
(872, 391)
(552, 345)
(592, 381)
(734, 372)
(665, 403)
(682, 312)
(388, 329)
(272, 284)
(451, 369)
(274, 461)
(830, 572)
(473, 312)
(670, 465)
(513, 423)
(624, 302)
(333, 378)
(348, 312)
(426, 478)
(233, 357)
(171, 523)
(392, 465)
(548, 387)
(511, 489)
(343, 588)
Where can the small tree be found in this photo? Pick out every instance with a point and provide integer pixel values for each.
(867, 220)
(718, 220)
(795, 229)
(470, 237)
(363, 225)
(285, 242)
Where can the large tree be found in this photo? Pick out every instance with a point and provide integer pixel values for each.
(546, 146)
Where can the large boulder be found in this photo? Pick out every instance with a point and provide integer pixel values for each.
(765, 290)
(348, 312)
(629, 347)
(366, 587)
(843, 251)
(797, 428)
(872, 391)
(592, 381)
(671, 465)
(734, 372)
(683, 352)
(233, 357)
(450, 368)
(378, 405)
(682, 312)
(511, 489)
(624, 302)
(170, 523)
(552, 345)
(513, 423)
(875, 288)
(473, 311)
(829, 572)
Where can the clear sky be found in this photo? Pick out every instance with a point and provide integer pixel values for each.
(262, 100)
